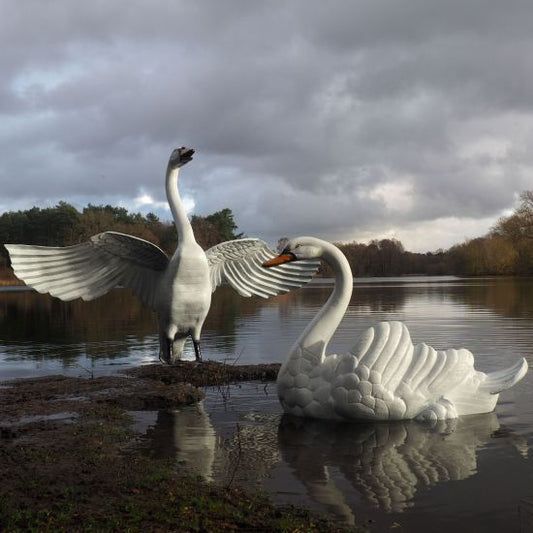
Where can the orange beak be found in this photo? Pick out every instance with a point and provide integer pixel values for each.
(279, 260)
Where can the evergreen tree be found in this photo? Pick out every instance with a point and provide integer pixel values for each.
(225, 224)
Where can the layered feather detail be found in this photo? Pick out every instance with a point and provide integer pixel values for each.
(92, 268)
(239, 263)
(386, 377)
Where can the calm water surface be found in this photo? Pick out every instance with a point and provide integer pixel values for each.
(472, 474)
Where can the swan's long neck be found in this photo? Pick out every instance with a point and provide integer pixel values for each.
(318, 333)
(183, 225)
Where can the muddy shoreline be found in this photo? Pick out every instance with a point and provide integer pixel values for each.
(69, 459)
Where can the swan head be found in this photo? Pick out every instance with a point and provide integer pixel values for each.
(297, 250)
(180, 156)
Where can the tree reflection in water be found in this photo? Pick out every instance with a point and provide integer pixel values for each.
(253, 330)
(36, 326)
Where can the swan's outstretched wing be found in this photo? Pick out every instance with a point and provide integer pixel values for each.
(92, 268)
(239, 263)
(387, 377)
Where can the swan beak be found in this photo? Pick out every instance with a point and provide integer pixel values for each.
(186, 153)
(280, 259)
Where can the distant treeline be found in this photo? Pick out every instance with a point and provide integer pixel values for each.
(506, 250)
(64, 225)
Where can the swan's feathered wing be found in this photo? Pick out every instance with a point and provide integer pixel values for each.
(386, 377)
(92, 268)
(239, 263)
(396, 379)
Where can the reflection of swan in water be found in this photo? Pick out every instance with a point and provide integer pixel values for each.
(187, 435)
(239, 452)
(179, 289)
(384, 377)
(386, 463)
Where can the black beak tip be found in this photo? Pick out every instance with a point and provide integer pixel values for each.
(186, 152)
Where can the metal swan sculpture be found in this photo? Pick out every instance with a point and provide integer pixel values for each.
(384, 376)
(178, 289)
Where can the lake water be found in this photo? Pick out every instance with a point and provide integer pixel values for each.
(471, 474)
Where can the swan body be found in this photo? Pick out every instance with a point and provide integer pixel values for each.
(384, 376)
(179, 289)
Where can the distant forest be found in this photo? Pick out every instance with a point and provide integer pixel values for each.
(506, 250)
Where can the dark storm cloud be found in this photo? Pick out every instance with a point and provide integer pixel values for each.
(343, 119)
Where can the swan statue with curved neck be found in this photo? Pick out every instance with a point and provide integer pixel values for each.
(178, 289)
(384, 376)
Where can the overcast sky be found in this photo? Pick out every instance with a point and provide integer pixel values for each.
(346, 120)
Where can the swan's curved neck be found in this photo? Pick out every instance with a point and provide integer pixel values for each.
(318, 333)
(183, 225)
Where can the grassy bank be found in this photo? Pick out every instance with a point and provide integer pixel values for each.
(70, 460)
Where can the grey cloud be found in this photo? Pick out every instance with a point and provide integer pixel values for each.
(302, 113)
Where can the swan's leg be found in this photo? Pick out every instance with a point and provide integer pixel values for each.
(177, 349)
(195, 333)
(170, 351)
(165, 349)
(197, 351)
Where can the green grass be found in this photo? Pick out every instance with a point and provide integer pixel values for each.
(77, 477)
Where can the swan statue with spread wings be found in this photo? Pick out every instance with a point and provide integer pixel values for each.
(178, 289)
(384, 376)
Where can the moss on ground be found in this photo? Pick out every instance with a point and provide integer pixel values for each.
(69, 461)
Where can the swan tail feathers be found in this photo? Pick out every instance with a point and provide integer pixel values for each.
(504, 379)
